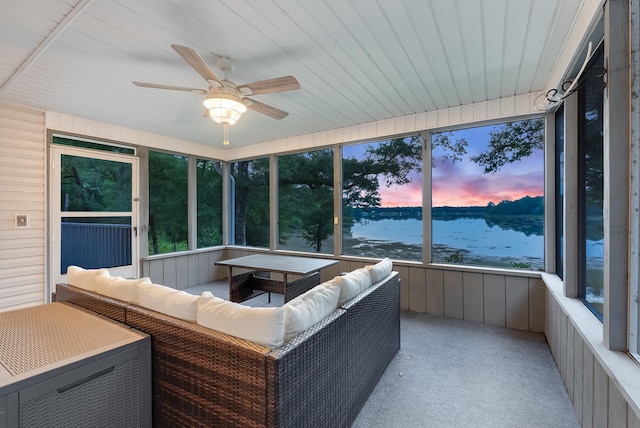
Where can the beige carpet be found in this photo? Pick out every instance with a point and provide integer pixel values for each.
(452, 373)
(459, 374)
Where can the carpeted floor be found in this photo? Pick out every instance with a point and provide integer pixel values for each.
(452, 373)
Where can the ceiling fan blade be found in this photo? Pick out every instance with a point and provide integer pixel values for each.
(263, 108)
(197, 63)
(279, 84)
(171, 87)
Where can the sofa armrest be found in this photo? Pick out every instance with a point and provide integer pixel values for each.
(307, 383)
(373, 326)
(202, 377)
(102, 305)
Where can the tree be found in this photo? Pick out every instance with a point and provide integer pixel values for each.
(306, 196)
(209, 197)
(89, 184)
(510, 143)
(168, 193)
(250, 180)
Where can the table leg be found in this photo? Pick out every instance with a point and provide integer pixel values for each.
(284, 283)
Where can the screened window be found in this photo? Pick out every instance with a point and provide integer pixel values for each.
(168, 199)
(250, 202)
(591, 185)
(209, 203)
(305, 201)
(559, 190)
(382, 199)
(487, 195)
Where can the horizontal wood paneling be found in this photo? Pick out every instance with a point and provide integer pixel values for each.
(183, 270)
(22, 191)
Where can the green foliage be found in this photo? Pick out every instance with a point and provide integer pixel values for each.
(510, 143)
(306, 196)
(168, 198)
(395, 159)
(209, 197)
(521, 265)
(251, 216)
(456, 257)
(95, 185)
(453, 148)
(92, 145)
(359, 183)
(523, 206)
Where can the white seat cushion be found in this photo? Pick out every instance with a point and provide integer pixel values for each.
(169, 301)
(84, 278)
(264, 326)
(380, 270)
(310, 307)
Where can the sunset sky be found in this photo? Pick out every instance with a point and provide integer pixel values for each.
(465, 184)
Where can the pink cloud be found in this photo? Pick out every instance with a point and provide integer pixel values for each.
(408, 195)
(480, 190)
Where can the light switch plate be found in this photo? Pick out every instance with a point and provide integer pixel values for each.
(22, 220)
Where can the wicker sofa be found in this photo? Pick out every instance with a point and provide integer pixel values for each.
(320, 378)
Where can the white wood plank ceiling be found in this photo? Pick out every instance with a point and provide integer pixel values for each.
(357, 61)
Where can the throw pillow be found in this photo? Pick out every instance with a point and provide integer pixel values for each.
(305, 310)
(264, 326)
(352, 283)
(120, 288)
(169, 301)
(380, 270)
(84, 278)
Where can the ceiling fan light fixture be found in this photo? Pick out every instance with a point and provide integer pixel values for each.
(224, 108)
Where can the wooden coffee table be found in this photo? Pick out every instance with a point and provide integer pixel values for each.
(258, 279)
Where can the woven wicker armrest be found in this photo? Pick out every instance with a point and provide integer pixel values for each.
(102, 305)
(202, 377)
(307, 378)
(373, 319)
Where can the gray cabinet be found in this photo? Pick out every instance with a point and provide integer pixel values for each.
(61, 366)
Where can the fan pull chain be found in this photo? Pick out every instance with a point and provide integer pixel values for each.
(226, 134)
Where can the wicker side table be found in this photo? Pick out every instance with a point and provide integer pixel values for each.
(64, 366)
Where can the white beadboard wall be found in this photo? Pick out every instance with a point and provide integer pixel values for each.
(22, 191)
(603, 385)
(61, 123)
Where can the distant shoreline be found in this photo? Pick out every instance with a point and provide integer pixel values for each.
(399, 251)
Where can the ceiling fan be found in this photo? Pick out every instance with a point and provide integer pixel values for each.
(226, 101)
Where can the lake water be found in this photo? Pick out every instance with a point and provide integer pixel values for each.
(478, 242)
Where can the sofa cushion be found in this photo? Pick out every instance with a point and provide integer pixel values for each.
(352, 283)
(380, 270)
(169, 301)
(120, 288)
(84, 278)
(264, 326)
(310, 307)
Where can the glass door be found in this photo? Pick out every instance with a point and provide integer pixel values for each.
(94, 212)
